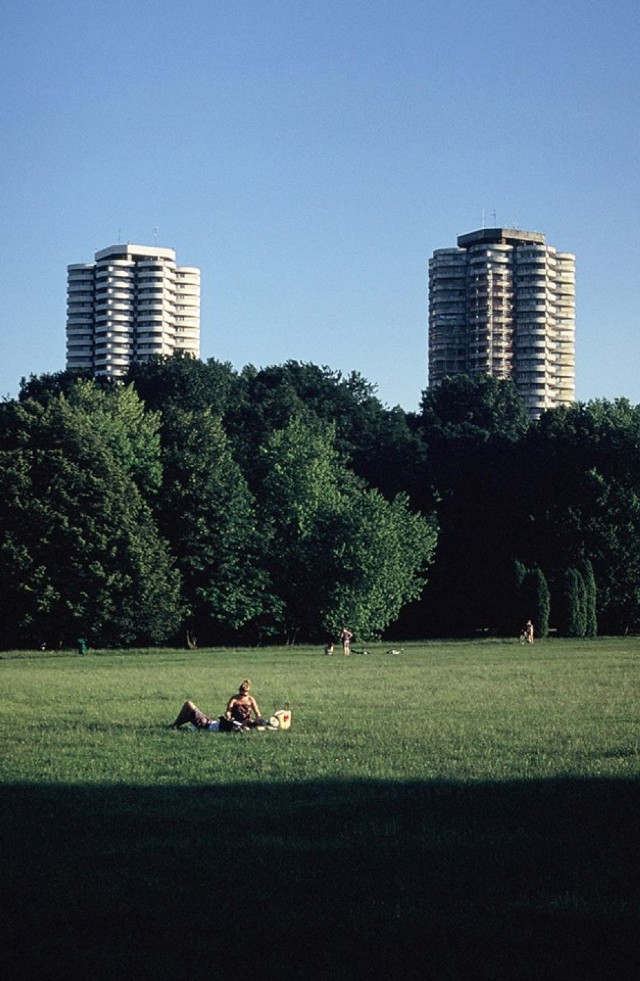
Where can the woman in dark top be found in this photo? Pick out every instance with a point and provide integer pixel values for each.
(240, 706)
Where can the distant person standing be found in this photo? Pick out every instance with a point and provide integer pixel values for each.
(345, 640)
(528, 632)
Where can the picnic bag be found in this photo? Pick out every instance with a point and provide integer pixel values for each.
(284, 718)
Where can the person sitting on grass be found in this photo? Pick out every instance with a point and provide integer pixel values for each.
(237, 714)
(240, 707)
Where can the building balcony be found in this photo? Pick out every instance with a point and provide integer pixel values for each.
(113, 305)
(112, 360)
(117, 316)
(79, 344)
(153, 282)
(80, 279)
(152, 309)
(115, 267)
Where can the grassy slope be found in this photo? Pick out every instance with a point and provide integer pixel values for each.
(459, 810)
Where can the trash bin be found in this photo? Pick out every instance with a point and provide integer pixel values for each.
(82, 645)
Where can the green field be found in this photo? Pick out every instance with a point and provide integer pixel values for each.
(458, 810)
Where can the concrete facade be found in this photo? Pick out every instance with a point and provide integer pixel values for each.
(503, 304)
(131, 303)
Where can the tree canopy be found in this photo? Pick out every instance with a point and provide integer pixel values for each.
(196, 502)
(287, 501)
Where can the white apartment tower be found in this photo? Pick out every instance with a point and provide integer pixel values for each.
(503, 304)
(132, 303)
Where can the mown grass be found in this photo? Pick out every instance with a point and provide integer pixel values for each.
(459, 810)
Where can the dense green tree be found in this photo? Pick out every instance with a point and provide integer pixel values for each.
(299, 493)
(378, 443)
(274, 394)
(183, 382)
(477, 407)
(208, 515)
(339, 552)
(612, 539)
(585, 568)
(384, 446)
(41, 388)
(568, 488)
(517, 609)
(383, 552)
(118, 416)
(472, 429)
(582, 605)
(536, 600)
(571, 604)
(261, 483)
(80, 553)
(471, 587)
(585, 501)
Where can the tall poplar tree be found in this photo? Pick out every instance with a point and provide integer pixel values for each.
(208, 515)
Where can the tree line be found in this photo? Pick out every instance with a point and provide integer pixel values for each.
(195, 503)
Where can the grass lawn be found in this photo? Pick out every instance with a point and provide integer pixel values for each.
(458, 810)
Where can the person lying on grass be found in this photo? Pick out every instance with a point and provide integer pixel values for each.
(237, 714)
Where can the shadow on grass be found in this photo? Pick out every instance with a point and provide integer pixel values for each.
(331, 880)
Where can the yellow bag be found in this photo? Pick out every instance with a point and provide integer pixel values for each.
(284, 718)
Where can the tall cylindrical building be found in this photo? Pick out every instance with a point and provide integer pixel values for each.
(132, 303)
(503, 304)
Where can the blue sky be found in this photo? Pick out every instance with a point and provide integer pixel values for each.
(309, 156)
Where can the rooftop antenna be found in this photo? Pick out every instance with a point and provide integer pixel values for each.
(483, 217)
(119, 236)
(495, 218)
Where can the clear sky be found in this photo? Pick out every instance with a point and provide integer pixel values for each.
(309, 156)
